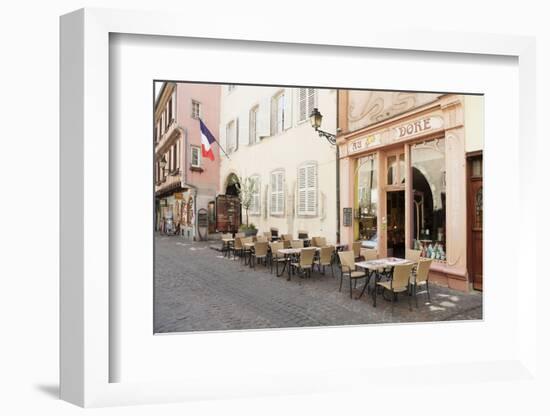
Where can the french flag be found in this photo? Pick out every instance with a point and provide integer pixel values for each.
(207, 141)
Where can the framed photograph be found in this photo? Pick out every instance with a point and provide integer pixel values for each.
(273, 214)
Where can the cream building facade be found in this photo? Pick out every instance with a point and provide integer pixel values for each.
(268, 137)
(411, 171)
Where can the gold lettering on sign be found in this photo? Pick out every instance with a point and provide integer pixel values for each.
(415, 127)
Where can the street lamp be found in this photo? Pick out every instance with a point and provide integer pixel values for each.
(316, 118)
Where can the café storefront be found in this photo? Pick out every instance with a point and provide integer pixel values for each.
(405, 179)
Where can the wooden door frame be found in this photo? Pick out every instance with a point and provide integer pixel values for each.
(469, 243)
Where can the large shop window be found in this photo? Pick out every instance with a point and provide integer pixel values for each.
(429, 203)
(367, 199)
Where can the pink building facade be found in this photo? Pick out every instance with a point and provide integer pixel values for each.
(186, 184)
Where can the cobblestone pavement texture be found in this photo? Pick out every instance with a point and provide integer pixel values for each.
(197, 289)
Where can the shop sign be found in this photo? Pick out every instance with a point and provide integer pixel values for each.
(178, 195)
(363, 143)
(416, 127)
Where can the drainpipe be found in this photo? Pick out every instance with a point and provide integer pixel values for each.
(337, 170)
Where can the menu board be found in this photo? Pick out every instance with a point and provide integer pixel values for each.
(348, 217)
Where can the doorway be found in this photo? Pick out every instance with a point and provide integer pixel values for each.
(395, 214)
(475, 220)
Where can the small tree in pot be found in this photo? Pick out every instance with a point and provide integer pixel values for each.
(246, 188)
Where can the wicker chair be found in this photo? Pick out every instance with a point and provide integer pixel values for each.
(261, 239)
(286, 238)
(347, 267)
(276, 256)
(413, 255)
(318, 241)
(260, 253)
(326, 256)
(421, 278)
(305, 263)
(238, 247)
(369, 254)
(399, 283)
(246, 251)
(297, 244)
(356, 247)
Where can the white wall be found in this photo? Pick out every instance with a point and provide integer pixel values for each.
(473, 121)
(297, 144)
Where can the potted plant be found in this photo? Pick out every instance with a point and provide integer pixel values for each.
(248, 229)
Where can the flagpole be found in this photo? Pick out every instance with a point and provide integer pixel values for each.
(216, 141)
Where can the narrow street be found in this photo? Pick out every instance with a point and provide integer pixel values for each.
(197, 289)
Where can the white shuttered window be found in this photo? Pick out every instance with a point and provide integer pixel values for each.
(307, 189)
(278, 114)
(231, 136)
(306, 98)
(256, 193)
(277, 193)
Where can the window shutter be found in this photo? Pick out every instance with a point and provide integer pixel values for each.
(307, 190)
(311, 207)
(287, 108)
(174, 105)
(310, 100)
(252, 121)
(302, 102)
(273, 193)
(258, 195)
(236, 134)
(302, 191)
(281, 193)
(274, 103)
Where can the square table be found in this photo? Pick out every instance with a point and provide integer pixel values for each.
(375, 266)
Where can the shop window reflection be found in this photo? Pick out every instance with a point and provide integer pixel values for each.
(367, 199)
(429, 198)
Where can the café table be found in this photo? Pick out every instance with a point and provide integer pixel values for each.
(288, 253)
(375, 267)
(226, 245)
(250, 247)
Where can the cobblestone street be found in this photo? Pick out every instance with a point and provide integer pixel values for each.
(197, 289)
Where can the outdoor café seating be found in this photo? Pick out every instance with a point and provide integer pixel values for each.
(227, 243)
(246, 250)
(399, 283)
(261, 238)
(268, 236)
(369, 254)
(326, 256)
(414, 256)
(286, 239)
(259, 253)
(348, 269)
(276, 256)
(297, 244)
(356, 246)
(304, 265)
(318, 241)
(238, 247)
(420, 278)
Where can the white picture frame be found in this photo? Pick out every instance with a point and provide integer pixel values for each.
(85, 215)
